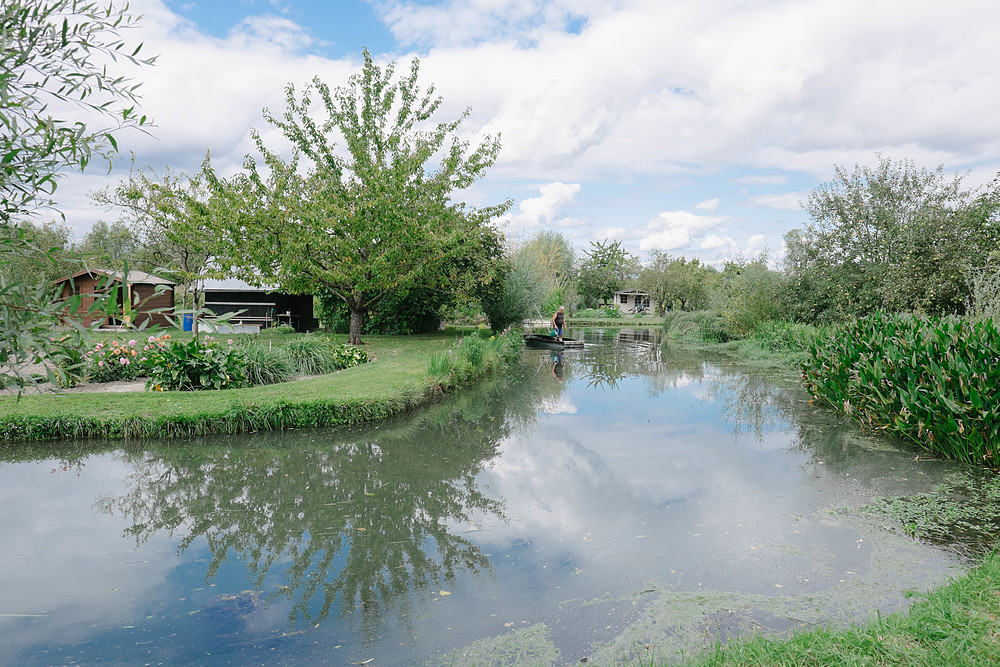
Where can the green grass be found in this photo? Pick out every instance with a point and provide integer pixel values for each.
(396, 381)
(953, 625)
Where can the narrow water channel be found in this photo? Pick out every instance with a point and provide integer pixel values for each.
(626, 499)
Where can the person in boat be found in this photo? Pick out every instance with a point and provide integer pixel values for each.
(557, 322)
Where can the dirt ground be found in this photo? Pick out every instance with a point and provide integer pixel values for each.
(87, 387)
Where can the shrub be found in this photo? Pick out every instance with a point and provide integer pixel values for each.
(281, 329)
(610, 312)
(346, 356)
(786, 336)
(195, 364)
(929, 380)
(473, 350)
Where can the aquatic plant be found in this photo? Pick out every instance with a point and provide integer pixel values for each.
(928, 380)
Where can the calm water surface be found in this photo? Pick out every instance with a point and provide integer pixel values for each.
(624, 499)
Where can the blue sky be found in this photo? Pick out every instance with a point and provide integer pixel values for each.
(691, 128)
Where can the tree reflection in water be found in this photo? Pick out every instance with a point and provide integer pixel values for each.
(355, 518)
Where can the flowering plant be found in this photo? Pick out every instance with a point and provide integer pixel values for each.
(123, 361)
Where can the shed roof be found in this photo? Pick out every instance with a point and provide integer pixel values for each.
(233, 285)
(132, 278)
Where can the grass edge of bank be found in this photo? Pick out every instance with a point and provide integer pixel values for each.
(396, 382)
(954, 624)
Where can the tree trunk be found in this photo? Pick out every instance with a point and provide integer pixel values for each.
(357, 319)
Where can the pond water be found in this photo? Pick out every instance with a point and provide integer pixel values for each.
(626, 499)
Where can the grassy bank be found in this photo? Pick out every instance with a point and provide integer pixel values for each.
(957, 624)
(395, 381)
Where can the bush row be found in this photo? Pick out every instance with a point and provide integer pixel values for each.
(928, 380)
(205, 363)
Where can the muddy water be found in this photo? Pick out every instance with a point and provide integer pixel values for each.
(624, 499)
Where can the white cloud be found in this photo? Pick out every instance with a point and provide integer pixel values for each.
(786, 201)
(709, 205)
(537, 211)
(674, 230)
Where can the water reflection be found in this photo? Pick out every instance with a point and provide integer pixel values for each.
(353, 520)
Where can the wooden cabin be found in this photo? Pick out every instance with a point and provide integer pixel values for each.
(151, 297)
(262, 307)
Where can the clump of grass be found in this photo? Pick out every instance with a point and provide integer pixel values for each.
(311, 355)
(265, 365)
(474, 357)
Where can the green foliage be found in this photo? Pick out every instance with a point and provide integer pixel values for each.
(788, 337)
(348, 356)
(474, 357)
(367, 220)
(551, 258)
(57, 52)
(265, 365)
(472, 349)
(36, 254)
(110, 246)
(953, 625)
(962, 513)
(928, 380)
(281, 329)
(513, 294)
(199, 363)
(311, 355)
(607, 268)
(676, 280)
(892, 237)
(748, 294)
(709, 325)
(123, 361)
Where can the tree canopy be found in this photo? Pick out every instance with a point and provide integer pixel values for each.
(607, 268)
(371, 212)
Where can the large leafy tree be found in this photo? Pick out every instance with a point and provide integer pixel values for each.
(55, 69)
(371, 211)
(607, 268)
(893, 236)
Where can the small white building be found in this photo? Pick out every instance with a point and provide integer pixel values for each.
(633, 301)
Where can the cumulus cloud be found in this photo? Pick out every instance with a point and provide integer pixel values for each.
(674, 230)
(544, 209)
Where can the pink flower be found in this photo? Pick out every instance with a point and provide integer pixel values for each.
(131, 343)
(230, 341)
(123, 361)
(100, 364)
(152, 338)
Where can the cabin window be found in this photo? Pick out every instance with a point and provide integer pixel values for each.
(645, 302)
(624, 299)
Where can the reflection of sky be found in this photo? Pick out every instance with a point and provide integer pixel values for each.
(610, 491)
(64, 562)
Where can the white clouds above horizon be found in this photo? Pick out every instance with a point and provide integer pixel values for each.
(728, 97)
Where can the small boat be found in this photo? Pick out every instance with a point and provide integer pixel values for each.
(549, 342)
